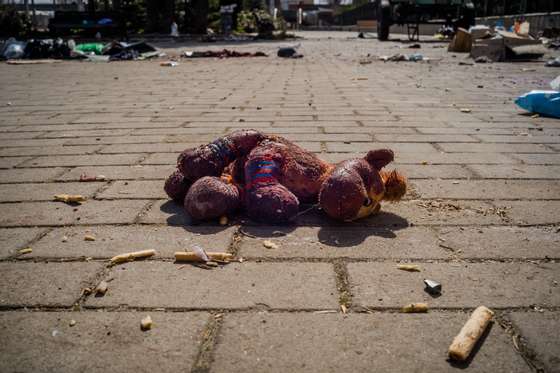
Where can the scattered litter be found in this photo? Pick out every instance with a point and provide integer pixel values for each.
(101, 288)
(343, 308)
(325, 311)
(169, 63)
(146, 323)
(87, 178)
(471, 332)
(89, 237)
(186, 256)
(200, 253)
(415, 46)
(32, 62)
(288, 52)
(26, 250)
(415, 57)
(69, 198)
(408, 267)
(415, 308)
(72, 322)
(223, 220)
(554, 63)
(55, 332)
(541, 102)
(64, 238)
(462, 42)
(432, 287)
(482, 59)
(270, 245)
(127, 257)
(555, 84)
(424, 162)
(465, 110)
(226, 53)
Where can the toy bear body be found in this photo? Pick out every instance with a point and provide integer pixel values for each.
(269, 176)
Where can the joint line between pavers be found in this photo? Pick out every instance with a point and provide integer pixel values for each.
(210, 333)
(519, 343)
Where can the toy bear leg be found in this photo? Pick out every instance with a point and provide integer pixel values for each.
(271, 204)
(211, 197)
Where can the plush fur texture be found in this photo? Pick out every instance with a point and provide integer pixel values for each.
(269, 176)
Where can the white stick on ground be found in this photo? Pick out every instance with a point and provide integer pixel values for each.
(471, 332)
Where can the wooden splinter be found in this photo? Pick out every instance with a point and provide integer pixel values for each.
(471, 332)
(127, 257)
(189, 256)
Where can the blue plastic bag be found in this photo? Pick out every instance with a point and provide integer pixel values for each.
(541, 102)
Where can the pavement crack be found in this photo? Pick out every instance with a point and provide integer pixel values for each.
(205, 355)
(342, 284)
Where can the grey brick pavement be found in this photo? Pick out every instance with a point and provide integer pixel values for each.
(481, 217)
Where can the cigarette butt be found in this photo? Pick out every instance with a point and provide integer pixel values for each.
(408, 267)
(270, 245)
(146, 323)
(471, 332)
(89, 237)
(27, 250)
(189, 256)
(69, 198)
(127, 257)
(415, 308)
(343, 308)
(101, 288)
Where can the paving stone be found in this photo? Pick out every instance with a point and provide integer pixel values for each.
(498, 148)
(166, 212)
(540, 331)
(531, 212)
(501, 242)
(58, 213)
(341, 242)
(45, 191)
(114, 240)
(432, 171)
(161, 159)
(101, 341)
(16, 238)
(492, 284)
(45, 284)
(83, 160)
(134, 189)
(288, 342)
(517, 171)
(538, 158)
(369, 130)
(150, 148)
(29, 175)
(9, 162)
(487, 189)
(341, 147)
(136, 172)
(115, 140)
(519, 139)
(425, 138)
(237, 285)
(48, 150)
(453, 158)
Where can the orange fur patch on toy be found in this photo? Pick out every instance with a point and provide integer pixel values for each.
(395, 185)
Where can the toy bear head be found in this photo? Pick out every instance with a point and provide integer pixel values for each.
(355, 187)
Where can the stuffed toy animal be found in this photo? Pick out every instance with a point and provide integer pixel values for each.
(269, 176)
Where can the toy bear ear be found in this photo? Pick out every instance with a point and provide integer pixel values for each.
(380, 158)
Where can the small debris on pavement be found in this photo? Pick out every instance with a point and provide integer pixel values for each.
(89, 237)
(465, 110)
(186, 256)
(64, 238)
(432, 287)
(471, 332)
(127, 257)
(200, 253)
(169, 63)
(26, 250)
(101, 288)
(146, 323)
(343, 308)
(408, 267)
(270, 245)
(88, 178)
(415, 308)
(72, 322)
(69, 198)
